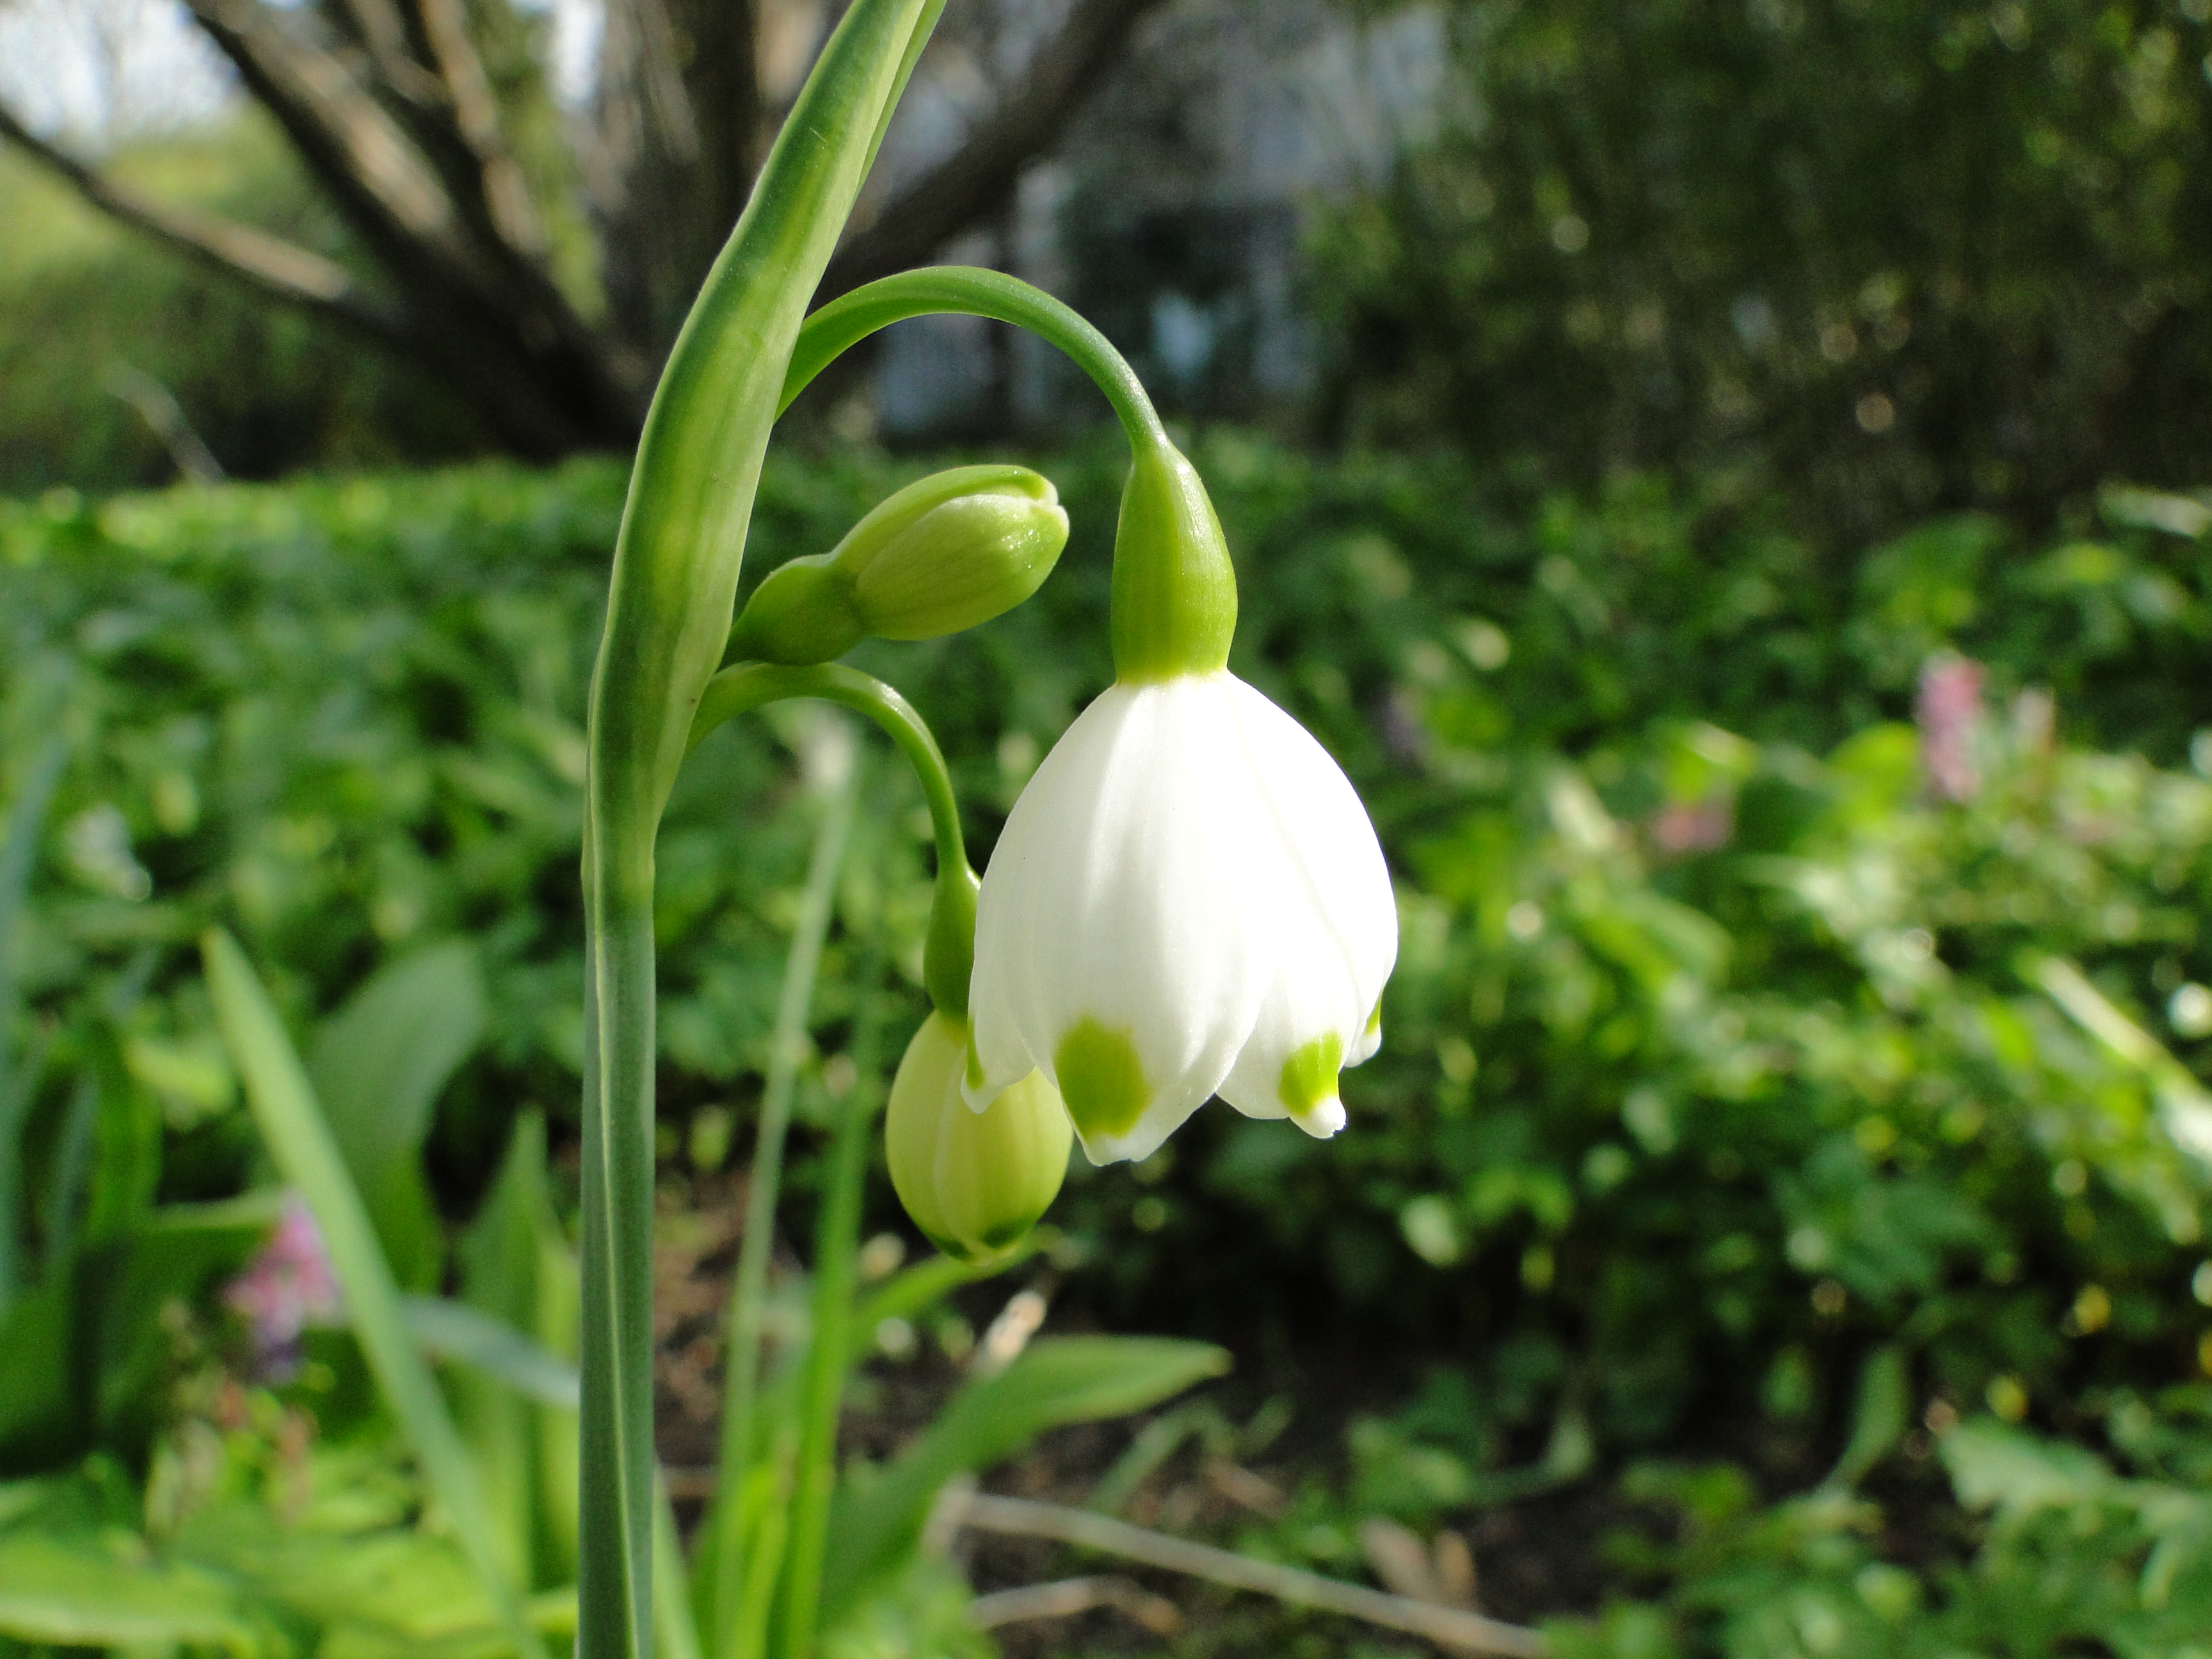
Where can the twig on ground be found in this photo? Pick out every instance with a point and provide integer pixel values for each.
(1064, 1598)
(1446, 1626)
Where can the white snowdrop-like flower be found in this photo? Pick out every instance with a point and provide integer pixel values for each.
(1189, 897)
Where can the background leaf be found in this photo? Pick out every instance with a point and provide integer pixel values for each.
(300, 1142)
(379, 1065)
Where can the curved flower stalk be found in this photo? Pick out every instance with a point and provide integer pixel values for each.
(1189, 897)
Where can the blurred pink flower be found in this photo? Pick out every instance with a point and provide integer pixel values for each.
(285, 1289)
(1692, 826)
(1950, 709)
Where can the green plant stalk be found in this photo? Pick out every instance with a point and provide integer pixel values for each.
(669, 610)
(951, 950)
(828, 1354)
(741, 1372)
(18, 852)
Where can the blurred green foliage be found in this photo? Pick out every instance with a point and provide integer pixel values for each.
(1771, 1084)
(268, 391)
(1888, 256)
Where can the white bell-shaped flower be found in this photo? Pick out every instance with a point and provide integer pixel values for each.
(1187, 899)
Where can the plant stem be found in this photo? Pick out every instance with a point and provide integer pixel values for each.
(738, 690)
(951, 952)
(836, 1244)
(970, 291)
(749, 1290)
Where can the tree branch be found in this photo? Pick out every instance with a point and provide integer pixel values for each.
(483, 312)
(475, 113)
(980, 175)
(350, 143)
(268, 264)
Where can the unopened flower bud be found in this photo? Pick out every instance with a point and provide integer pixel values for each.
(944, 554)
(975, 1182)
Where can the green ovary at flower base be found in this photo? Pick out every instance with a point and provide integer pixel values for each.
(975, 1182)
(1188, 899)
(942, 555)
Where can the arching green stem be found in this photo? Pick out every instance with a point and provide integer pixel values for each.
(969, 291)
(950, 952)
(1175, 589)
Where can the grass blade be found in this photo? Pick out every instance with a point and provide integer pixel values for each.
(301, 1143)
(749, 1288)
(674, 1630)
(828, 1353)
(455, 1330)
(1057, 1380)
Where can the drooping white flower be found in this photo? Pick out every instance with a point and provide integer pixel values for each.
(1187, 899)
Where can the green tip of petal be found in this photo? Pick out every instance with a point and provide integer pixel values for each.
(1374, 1019)
(1101, 1079)
(1310, 1075)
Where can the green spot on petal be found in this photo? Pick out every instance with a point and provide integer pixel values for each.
(975, 1066)
(1374, 1019)
(1101, 1078)
(1310, 1075)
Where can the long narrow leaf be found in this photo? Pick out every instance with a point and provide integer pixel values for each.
(927, 1283)
(829, 1350)
(516, 1270)
(455, 1330)
(674, 1630)
(379, 1065)
(301, 1143)
(748, 1287)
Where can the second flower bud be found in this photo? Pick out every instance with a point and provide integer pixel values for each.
(953, 550)
(975, 1182)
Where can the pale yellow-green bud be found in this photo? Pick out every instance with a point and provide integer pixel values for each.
(975, 1182)
(944, 554)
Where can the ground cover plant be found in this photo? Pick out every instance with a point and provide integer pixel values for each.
(1784, 1138)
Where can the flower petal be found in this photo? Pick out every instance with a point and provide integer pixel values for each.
(1127, 927)
(1338, 928)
